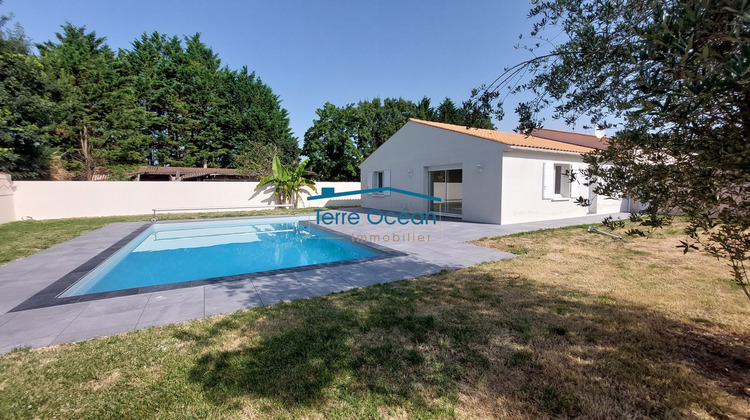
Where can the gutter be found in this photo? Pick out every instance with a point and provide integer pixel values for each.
(537, 149)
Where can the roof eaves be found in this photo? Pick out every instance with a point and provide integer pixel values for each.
(506, 142)
(548, 150)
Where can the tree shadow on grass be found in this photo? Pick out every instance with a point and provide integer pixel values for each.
(293, 365)
(418, 345)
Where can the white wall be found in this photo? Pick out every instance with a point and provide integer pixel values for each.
(522, 182)
(64, 199)
(7, 210)
(417, 148)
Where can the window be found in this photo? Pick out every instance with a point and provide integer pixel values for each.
(556, 181)
(378, 180)
(562, 181)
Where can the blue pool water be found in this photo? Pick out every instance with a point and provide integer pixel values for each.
(179, 252)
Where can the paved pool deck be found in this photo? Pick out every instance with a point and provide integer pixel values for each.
(445, 248)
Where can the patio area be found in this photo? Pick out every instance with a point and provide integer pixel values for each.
(20, 280)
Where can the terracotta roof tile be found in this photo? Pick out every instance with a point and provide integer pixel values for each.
(510, 139)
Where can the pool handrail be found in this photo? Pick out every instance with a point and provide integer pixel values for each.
(266, 207)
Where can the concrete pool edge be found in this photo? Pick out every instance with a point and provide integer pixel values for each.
(50, 295)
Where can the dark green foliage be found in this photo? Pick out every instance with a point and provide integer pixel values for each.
(330, 144)
(166, 101)
(675, 75)
(255, 159)
(25, 108)
(201, 114)
(342, 137)
(613, 224)
(81, 66)
(635, 232)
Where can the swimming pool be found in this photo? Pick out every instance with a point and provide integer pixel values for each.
(182, 252)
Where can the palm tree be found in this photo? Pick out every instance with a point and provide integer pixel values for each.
(297, 182)
(288, 184)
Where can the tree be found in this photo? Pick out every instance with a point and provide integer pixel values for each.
(81, 65)
(342, 137)
(25, 107)
(330, 144)
(201, 114)
(165, 101)
(24, 112)
(255, 159)
(298, 182)
(251, 112)
(287, 183)
(677, 76)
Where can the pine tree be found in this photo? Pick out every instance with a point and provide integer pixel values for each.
(25, 107)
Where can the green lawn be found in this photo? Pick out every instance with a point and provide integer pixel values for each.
(23, 238)
(577, 325)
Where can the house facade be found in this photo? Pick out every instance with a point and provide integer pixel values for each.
(482, 175)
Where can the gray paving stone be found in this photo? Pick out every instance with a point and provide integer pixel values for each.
(5, 318)
(44, 275)
(322, 281)
(177, 296)
(407, 267)
(25, 341)
(358, 275)
(22, 331)
(383, 273)
(170, 314)
(14, 298)
(231, 296)
(125, 320)
(116, 305)
(33, 334)
(279, 288)
(16, 289)
(7, 306)
(14, 269)
(43, 316)
(71, 337)
(225, 306)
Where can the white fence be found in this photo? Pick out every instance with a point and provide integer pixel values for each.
(63, 199)
(7, 211)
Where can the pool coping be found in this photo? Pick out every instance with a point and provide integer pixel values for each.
(49, 296)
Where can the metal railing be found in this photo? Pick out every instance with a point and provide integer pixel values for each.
(169, 210)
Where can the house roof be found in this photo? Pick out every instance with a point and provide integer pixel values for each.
(566, 143)
(185, 172)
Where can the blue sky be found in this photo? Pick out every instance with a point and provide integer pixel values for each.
(311, 52)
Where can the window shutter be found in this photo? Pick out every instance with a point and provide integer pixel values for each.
(575, 168)
(369, 181)
(548, 181)
(386, 181)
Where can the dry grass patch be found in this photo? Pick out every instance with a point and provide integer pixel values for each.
(97, 384)
(651, 272)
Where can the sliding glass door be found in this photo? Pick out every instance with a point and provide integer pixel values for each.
(446, 184)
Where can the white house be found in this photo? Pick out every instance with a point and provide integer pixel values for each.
(483, 175)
